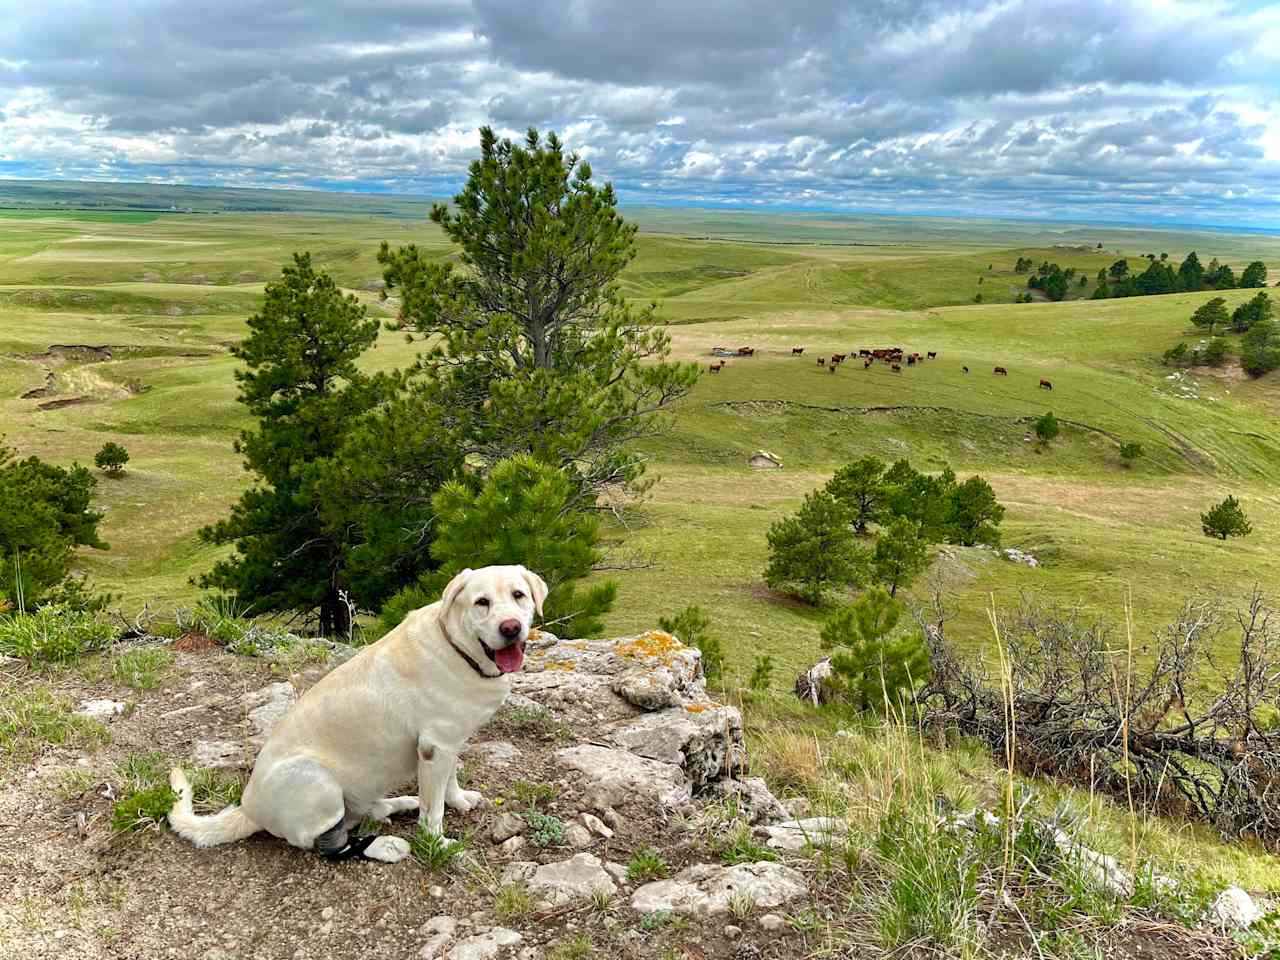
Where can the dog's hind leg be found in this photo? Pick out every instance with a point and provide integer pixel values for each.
(383, 810)
(299, 800)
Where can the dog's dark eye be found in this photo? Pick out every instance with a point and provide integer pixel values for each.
(519, 595)
(482, 601)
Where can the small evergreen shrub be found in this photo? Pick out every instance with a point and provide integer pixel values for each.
(111, 458)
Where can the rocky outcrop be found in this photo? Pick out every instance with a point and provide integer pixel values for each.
(706, 889)
(615, 777)
(658, 736)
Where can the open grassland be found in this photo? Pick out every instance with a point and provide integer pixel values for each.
(167, 297)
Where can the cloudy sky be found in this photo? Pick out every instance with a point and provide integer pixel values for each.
(1136, 110)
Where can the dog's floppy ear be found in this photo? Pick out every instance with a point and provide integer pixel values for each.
(452, 589)
(537, 588)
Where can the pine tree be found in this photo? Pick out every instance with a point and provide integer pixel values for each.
(111, 458)
(1047, 428)
(1255, 275)
(45, 514)
(901, 554)
(814, 552)
(535, 348)
(300, 380)
(975, 513)
(1225, 520)
(1260, 348)
(920, 497)
(1212, 313)
(868, 665)
(521, 513)
(859, 486)
(1254, 310)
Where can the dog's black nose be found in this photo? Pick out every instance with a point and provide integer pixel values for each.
(509, 628)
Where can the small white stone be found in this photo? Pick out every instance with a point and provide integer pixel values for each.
(1235, 909)
(435, 891)
(511, 846)
(771, 921)
(732, 932)
(101, 709)
(596, 825)
(388, 849)
(326, 913)
(438, 931)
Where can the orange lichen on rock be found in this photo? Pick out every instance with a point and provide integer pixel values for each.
(566, 665)
(655, 644)
(702, 707)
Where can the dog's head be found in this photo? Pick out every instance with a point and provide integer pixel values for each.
(488, 613)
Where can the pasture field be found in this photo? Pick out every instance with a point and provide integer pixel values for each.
(164, 298)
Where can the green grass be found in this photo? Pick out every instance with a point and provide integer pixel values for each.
(434, 852)
(34, 718)
(646, 864)
(106, 216)
(141, 669)
(52, 634)
(171, 294)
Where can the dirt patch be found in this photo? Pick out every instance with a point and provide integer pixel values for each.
(65, 402)
(74, 353)
(194, 641)
(1229, 372)
(46, 391)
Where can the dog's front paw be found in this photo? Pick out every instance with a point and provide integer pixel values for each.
(464, 801)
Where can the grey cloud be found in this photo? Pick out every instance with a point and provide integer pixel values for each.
(984, 105)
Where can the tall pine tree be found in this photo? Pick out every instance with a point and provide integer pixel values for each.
(301, 382)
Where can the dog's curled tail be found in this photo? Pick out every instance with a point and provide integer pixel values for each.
(229, 825)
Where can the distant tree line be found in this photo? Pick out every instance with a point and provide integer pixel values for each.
(1159, 276)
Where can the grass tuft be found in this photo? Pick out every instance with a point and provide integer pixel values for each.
(141, 668)
(646, 864)
(33, 719)
(434, 852)
(52, 634)
(144, 810)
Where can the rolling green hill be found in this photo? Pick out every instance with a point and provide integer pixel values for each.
(167, 295)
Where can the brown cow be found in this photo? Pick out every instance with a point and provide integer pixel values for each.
(746, 351)
(911, 360)
(1045, 384)
(1000, 372)
(715, 367)
(838, 357)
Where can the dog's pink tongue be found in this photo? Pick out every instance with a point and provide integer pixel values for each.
(510, 659)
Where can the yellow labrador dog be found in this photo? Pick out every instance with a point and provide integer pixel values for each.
(404, 705)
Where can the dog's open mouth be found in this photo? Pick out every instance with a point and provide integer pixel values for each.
(508, 659)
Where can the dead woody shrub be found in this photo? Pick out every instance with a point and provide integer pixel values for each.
(1189, 721)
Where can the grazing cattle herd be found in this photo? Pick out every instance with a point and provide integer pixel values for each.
(894, 356)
